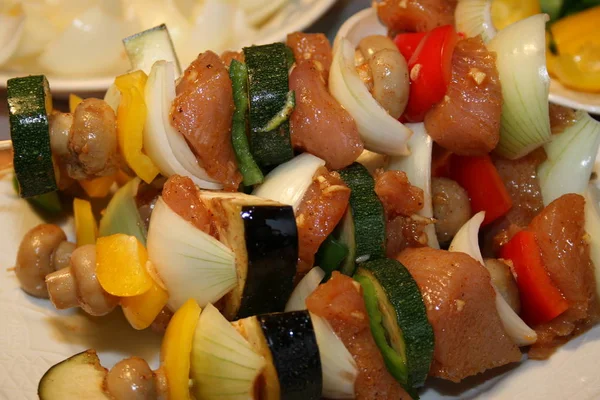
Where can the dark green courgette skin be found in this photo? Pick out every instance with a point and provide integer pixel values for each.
(30, 134)
(239, 80)
(411, 315)
(272, 245)
(367, 213)
(293, 344)
(268, 87)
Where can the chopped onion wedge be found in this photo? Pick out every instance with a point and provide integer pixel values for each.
(338, 365)
(122, 216)
(379, 131)
(466, 241)
(571, 156)
(223, 364)
(86, 47)
(521, 61)
(190, 262)
(592, 228)
(289, 181)
(11, 30)
(474, 17)
(305, 287)
(163, 144)
(417, 167)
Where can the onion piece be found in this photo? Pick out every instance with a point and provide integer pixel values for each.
(571, 156)
(466, 241)
(164, 145)
(308, 284)
(11, 30)
(474, 17)
(223, 363)
(190, 262)
(338, 365)
(289, 181)
(379, 131)
(86, 47)
(521, 61)
(417, 167)
(112, 97)
(592, 228)
(122, 216)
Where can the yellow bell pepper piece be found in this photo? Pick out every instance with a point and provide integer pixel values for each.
(121, 265)
(122, 178)
(74, 101)
(176, 349)
(98, 187)
(141, 310)
(506, 12)
(131, 117)
(86, 228)
(579, 72)
(576, 31)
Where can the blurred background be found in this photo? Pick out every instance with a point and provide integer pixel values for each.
(77, 43)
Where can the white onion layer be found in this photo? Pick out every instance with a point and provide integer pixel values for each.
(521, 61)
(379, 131)
(223, 364)
(338, 365)
(288, 182)
(570, 159)
(164, 145)
(466, 241)
(191, 263)
(305, 287)
(474, 17)
(417, 167)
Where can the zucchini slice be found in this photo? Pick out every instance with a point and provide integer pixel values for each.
(398, 319)
(77, 377)
(263, 235)
(239, 137)
(366, 225)
(289, 344)
(224, 364)
(29, 104)
(270, 104)
(147, 47)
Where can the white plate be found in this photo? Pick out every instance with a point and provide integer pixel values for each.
(295, 16)
(559, 94)
(34, 336)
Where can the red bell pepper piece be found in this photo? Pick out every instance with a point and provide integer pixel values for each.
(541, 301)
(479, 177)
(407, 43)
(430, 71)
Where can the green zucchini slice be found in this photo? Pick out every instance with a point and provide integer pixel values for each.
(29, 104)
(289, 344)
(263, 235)
(239, 138)
(367, 222)
(398, 319)
(270, 104)
(77, 377)
(147, 47)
